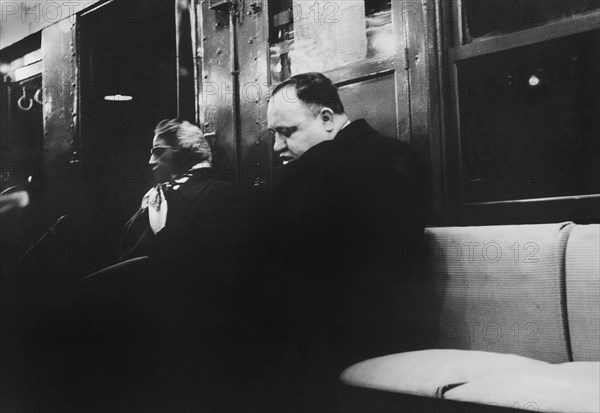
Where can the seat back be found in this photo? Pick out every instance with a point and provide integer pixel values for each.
(501, 288)
(583, 291)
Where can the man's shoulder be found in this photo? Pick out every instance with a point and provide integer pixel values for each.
(362, 139)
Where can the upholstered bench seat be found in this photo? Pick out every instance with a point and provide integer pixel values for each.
(494, 379)
(432, 372)
(561, 388)
(514, 324)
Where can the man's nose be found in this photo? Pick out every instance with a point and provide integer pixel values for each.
(152, 160)
(279, 144)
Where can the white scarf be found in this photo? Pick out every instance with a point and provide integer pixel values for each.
(156, 202)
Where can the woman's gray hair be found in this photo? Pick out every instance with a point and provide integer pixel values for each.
(184, 135)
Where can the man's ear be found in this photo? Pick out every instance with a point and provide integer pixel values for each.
(326, 115)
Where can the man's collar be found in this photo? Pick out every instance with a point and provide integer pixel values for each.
(353, 129)
(348, 133)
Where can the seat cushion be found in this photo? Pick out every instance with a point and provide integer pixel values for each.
(583, 292)
(430, 372)
(566, 388)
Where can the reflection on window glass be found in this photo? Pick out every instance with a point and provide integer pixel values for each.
(310, 35)
(487, 18)
(530, 121)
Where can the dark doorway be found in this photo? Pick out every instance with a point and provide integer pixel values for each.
(128, 84)
(21, 145)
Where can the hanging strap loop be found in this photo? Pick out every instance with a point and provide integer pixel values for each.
(22, 99)
(38, 96)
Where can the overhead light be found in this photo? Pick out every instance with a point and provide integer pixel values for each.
(118, 98)
(534, 80)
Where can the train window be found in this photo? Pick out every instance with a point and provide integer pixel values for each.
(323, 35)
(487, 18)
(529, 120)
(522, 141)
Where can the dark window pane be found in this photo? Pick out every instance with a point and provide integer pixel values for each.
(529, 120)
(488, 18)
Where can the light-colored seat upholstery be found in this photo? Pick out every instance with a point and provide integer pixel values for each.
(515, 306)
(431, 372)
(565, 388)
(583, 292)
(501, 288)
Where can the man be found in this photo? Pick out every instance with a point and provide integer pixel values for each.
(332, 160)
(345, 219)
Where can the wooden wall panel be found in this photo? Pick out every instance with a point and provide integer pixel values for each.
(373, 100)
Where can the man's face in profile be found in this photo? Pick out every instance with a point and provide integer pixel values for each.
(295, 126)
(162, 160)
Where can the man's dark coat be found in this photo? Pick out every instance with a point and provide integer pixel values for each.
(346, 226)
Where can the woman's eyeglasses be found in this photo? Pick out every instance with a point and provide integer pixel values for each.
(159, 150)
